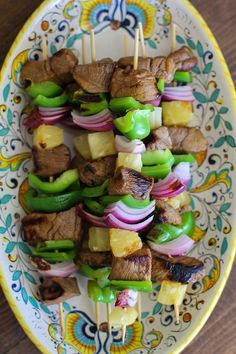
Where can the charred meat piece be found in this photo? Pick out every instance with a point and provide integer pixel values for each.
(55, 290)
(94, 173)
(57, 69)
(187, 140)
(136, 266)
(62, 64)
(94, 259)
(140, 84)
(51, 162)
(65, 225)
(143, 63)
(95, 77)
(162, 67)
(182, 269)
(40, 263)
(165, 213)
(184, 59)
(127, 181)
(161, 139)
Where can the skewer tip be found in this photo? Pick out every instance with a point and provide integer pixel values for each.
(176, 313)
(123, 333)
(97, 315)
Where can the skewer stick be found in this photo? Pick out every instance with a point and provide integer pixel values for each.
(123, 333)
(126, 44)
(61, 318)
(108, 317)
(92, 44)
(44, 48)
(84, 57)
(176, 312)
(173, 37)
(136, 49)
(139, 304)
(140, 26)
(97, 314)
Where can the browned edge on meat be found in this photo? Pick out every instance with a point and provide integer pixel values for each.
(160, 139)
(55, 289)
(187, 140)
(94, 259)
(165, 213)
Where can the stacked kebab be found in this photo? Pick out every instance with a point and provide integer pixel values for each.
(128, 191)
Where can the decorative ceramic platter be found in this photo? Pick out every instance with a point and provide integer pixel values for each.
(212, 190)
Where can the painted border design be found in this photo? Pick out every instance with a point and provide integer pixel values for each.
(220, 287)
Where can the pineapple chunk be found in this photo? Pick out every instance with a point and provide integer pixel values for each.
(132, 161)
(101, 144)
(120, 317)
(180, 200)
(124, 242)
(82, 146)
(99, 239)
(171, 293)
(177, 112)
(48, 137)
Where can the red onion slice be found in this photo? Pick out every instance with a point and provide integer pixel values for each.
(169, 187)
(90, 218)
(63, 270)
(129, 210)
(179, 93)
(99, 127)
(96, 118)
(123, 144)
(112, 221)
(155, 102)
(177, 247)
(182, 171)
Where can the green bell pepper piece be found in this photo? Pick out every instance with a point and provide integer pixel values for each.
(100, 275)
(161, 85)
(51, 204)
(93, 192)
(57, 101)
(46, 88)
(156, 157)
(55, 245)
(98, 294)
(59, 185)
(123, 104)
(56, 256)
(162, 233)
(135, 124)
(184, 158)
(144, 285)
(157, 171)
(90, 108)
(127, 199)
(183, 76)
(94, 206)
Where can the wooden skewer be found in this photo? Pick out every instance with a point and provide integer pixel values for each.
(136, 44)
(173, 37)
(84, 56)
(140, 26)
(126, 44)
(92, 44)
(176, 312)
(139, 305)
(108, 317)
(61, 318)
(44, 48)
(123, 333)
(97, 314)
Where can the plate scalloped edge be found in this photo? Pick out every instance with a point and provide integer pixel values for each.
(220, 286)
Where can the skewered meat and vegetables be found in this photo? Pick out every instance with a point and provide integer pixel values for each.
(143, 63)
(55, 290)
(187, 140)
(165, 213)
(94, 259)
(55, 226)
(161, 139)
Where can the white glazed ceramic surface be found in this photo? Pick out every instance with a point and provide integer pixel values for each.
(212, 188)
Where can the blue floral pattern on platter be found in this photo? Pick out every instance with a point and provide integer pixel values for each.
(212, 190)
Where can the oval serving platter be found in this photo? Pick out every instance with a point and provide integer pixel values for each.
(212, 190)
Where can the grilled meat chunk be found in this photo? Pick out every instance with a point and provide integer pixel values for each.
(95, 77)
(94, 259)
(57, 68)
(55, 290)
(94, 173)
(161, 139)
(182, 269)
(65, 225)
(136, 266)
(143, 63)
(187, 140)
(162, 67)
(165, 213)
(184, 59)
(51, 162)
(140, 84)
(127, 181)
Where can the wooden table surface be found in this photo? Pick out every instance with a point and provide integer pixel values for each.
(218, 335)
